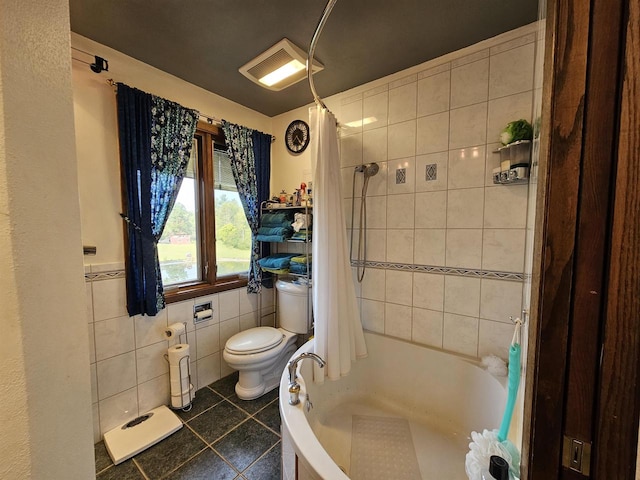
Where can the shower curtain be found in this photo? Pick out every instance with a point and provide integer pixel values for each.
(338, 332)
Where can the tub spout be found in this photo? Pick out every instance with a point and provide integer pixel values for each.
(294, 388)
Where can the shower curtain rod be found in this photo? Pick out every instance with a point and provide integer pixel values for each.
(209, 118)
(312, 49)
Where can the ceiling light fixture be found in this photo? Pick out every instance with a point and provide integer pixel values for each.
(279, 67)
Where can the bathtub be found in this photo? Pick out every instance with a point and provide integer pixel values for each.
(442, 396)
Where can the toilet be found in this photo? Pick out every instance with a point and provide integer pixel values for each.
(260, 354)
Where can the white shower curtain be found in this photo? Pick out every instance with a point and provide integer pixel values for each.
(338, 332)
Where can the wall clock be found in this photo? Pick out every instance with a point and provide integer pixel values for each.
(297, 136)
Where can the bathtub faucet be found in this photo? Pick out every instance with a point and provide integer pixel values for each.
(294, 388)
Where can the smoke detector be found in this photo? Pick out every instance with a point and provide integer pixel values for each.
(279, 67)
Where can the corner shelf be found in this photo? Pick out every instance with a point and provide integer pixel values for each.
(304, 278)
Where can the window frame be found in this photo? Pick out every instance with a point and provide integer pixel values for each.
(210, 283)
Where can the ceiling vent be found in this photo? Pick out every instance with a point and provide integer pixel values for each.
(282, 65)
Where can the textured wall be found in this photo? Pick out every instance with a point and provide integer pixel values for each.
(45, 420)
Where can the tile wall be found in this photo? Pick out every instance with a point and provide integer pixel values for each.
(129, 374)
(445, 246)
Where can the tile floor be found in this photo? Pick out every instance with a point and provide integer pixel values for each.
(223, 438)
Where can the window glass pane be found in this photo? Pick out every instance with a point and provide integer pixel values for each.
(233, 235)
(179, 248)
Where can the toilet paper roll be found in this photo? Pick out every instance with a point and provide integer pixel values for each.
(203, 315)
(175, 372)
(178, 352)
(184, 399)
(179, 386)
(174, 330)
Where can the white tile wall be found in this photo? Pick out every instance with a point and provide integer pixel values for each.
(449, 116)
(129, 374)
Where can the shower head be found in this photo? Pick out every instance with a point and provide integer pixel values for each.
(369, 169)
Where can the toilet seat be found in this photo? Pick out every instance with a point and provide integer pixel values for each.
(254, 340)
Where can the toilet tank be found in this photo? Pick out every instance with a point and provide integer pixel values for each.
(294, 300)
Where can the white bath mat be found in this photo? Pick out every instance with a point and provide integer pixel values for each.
(381, 449)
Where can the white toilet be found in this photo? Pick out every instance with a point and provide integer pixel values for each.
(260, 354)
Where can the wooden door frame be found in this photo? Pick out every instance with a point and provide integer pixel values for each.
(584, 334)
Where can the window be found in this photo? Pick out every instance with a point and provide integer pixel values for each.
(206, 244)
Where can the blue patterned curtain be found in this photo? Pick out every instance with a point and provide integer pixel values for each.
(251, 166)
(156, 137)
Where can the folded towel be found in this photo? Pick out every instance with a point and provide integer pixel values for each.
(279, 271)
(276, 261)
(276, 219)
(271, 238)
(301, 236)
(301, 259)
(287, 231)
(299, 268)
(301, 221)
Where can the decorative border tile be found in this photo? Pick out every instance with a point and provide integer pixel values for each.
(92, 277)
(407, 267)
(461, 272)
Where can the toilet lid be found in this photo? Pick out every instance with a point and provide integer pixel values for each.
(254, 340)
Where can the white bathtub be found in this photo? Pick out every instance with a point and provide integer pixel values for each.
(443, 396)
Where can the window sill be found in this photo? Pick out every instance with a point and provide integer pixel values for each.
(188, 292)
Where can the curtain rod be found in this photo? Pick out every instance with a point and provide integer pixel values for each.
(209, 118)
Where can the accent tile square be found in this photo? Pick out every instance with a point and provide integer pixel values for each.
(431, 172)
(408, 185)
(441, 160)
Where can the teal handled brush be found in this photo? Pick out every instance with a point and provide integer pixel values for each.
(495, 442)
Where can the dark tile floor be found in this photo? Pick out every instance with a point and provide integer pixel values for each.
(223, 438)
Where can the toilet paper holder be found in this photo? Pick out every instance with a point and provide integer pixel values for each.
(181, 365)
(202, 312)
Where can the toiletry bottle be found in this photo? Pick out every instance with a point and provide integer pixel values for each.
(498, 469)
(283, 197)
